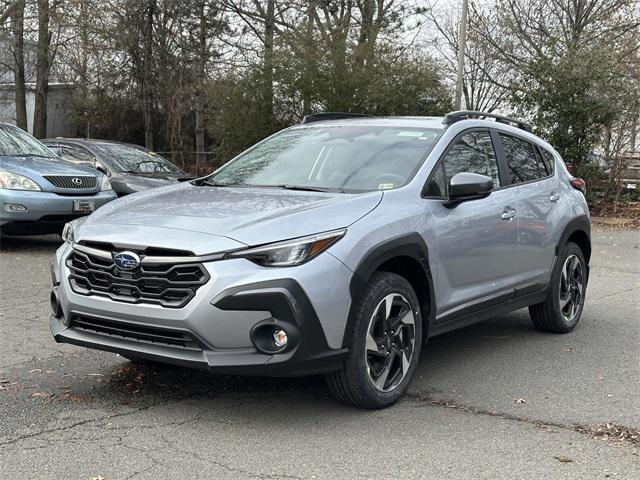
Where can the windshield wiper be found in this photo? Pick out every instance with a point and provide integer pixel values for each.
(24, 155)
(210, 183)
(304, 188)
(284, 186)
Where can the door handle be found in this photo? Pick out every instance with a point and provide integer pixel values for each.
(554, 197)
(508, 213)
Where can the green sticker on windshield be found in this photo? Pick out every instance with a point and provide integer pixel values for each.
(385, 186)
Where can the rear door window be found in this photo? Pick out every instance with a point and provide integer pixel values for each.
(523, 162)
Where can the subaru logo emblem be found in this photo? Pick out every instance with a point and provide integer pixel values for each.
(126, 260)
(76, 181)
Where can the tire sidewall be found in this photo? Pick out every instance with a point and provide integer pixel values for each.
(567, 250)
(381, 285)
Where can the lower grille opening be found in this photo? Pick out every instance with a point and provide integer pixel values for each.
(138, 333)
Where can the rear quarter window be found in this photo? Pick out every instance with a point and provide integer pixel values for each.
(549, 160)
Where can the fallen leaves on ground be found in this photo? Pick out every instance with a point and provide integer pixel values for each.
(563, 459)
(613, 432)
(42, 394)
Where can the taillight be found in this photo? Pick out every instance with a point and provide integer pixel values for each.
(579, 184)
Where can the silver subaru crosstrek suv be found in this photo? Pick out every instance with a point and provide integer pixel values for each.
(337, 246)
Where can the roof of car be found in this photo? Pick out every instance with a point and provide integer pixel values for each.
(95, 141)
(416, 122)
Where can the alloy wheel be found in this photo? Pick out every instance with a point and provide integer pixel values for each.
(571, 288)
(390, 342)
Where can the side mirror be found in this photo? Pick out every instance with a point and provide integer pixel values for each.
(467, 186)
(101, 168)
(56, 150)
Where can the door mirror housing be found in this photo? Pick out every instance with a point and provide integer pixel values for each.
(466, 186)
(101, 168)
(55, 149)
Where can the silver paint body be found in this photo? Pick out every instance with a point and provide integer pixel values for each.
(474, 254)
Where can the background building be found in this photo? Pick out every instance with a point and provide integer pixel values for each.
(60, 100)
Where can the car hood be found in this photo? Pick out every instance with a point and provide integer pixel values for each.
(42, 166)
(251, 216)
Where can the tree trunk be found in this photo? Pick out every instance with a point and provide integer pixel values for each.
(200, 96)
(147, 92)
(42, 71)
(269, 30)
(633, 136)
(84, 64)
(306, 93)
(18, 72)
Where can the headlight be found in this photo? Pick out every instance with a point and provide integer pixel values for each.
(13, 181)
(105, 184)
(290, 252)
(68, 234)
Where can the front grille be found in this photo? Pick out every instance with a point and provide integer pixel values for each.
(138, 333)
(171, 286)
(72, 181)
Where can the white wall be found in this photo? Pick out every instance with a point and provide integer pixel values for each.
(59, 108)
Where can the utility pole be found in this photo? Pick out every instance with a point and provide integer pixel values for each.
(462, 42)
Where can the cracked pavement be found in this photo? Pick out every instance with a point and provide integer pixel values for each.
(495, 400)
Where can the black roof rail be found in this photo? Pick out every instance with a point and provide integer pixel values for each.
(319, 117)
(453, 117)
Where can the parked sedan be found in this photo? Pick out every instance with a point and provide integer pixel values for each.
(131, 168)
(40, 192)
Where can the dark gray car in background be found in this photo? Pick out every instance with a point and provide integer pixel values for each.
(131, 168)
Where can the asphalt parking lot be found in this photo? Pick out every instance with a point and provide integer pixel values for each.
(496, 400)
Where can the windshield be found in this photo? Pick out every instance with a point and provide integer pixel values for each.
(15, 142)
(344, 158)
(136, 160)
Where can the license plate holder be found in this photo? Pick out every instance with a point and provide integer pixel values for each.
(83, 207)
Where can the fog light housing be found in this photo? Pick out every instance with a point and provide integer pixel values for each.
(271, 336)
(15, 207)
(56, 307)
(280, 338)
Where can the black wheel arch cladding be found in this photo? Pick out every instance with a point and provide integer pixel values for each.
(410, 246)
(578, 229)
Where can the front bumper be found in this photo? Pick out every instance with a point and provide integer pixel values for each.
(46, 207)
(240, 295)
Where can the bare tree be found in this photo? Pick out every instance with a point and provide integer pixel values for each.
(43, 67)
(17, 24)
(568, 64)
(201, 101)
(485, 80)
(147, 91)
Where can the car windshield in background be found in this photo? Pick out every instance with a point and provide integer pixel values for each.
(15, 142)
(134, 160)
(344, 158)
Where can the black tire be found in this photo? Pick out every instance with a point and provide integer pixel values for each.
(353, 384)
(550, 315)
